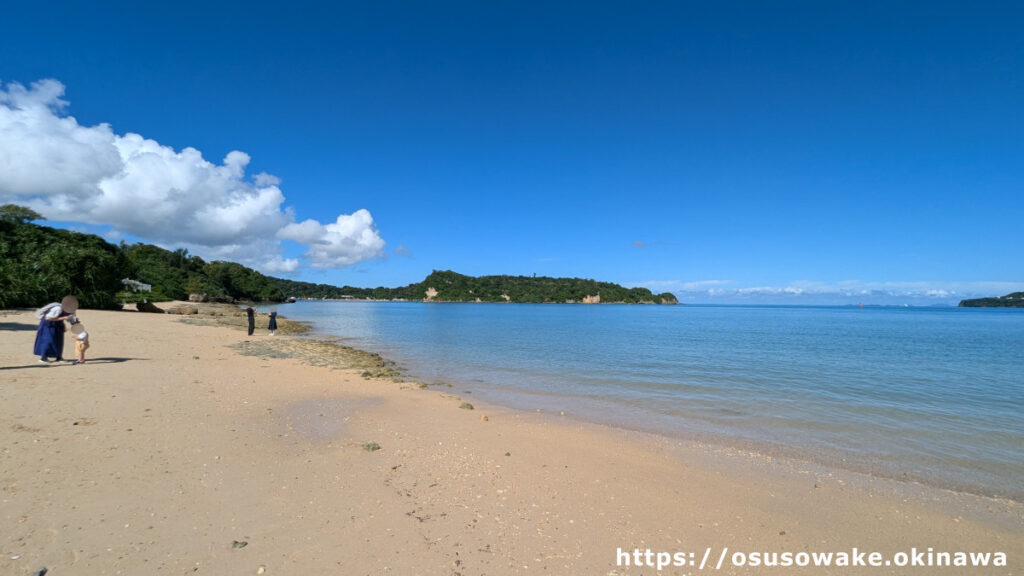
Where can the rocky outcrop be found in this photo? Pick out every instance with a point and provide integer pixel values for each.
(223, 300)
(146, 306)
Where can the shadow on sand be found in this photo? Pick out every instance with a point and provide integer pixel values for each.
(17, 327)
(70, 363)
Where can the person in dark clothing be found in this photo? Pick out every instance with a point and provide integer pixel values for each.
(50, 334)
(252, 319)
(272, 326)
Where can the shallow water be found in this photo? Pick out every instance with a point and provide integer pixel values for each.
(929, 394)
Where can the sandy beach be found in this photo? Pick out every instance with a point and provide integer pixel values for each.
(183, 448)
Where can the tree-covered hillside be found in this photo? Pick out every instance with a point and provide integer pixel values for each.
(448, 286)
(309, 290)
(1014, 300)
(175, 275)
(39, 264)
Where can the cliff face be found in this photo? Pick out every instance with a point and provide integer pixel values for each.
(1014, 300)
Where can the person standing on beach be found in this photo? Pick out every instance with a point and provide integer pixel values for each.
(81, 342)
(252, 319)
(272, 326)
(50, 334)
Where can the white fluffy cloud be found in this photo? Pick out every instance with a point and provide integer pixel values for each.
(70, 172)
(350, 239)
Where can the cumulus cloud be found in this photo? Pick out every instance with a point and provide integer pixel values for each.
(44, 153)
(351, 239)
(137, 186)
(279, 265)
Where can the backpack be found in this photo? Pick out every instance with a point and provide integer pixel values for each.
(42, 311)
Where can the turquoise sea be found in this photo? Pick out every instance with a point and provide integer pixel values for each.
(934, 395)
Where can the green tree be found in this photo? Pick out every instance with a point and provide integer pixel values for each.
(18, 214)
(39, 264)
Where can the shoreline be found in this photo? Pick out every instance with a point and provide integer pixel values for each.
(174, 431)
(567, 406)
(841, 462)
(711, 445)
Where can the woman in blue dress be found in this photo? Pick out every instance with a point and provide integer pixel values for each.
(272, 326)
(50, 334)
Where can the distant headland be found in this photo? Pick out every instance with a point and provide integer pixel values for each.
(40, 264)
(1014, 300)
(448, 286)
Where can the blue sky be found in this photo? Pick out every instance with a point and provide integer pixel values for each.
(725, 151)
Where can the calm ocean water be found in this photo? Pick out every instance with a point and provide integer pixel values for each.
(928, 394)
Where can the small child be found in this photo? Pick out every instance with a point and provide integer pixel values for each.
(81, 345)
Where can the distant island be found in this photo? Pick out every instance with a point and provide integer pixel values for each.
(1014, 300)
(40, 264)
(448, 286)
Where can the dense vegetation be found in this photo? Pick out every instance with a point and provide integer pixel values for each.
(453, 287)
(313, 291)
(39, 264)
(175, 275)
(1015, 300)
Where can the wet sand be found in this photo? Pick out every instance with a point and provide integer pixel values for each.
(188, 447)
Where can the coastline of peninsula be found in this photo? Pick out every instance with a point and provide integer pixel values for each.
(108, 275)
(1014, 300)
(448, 286)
